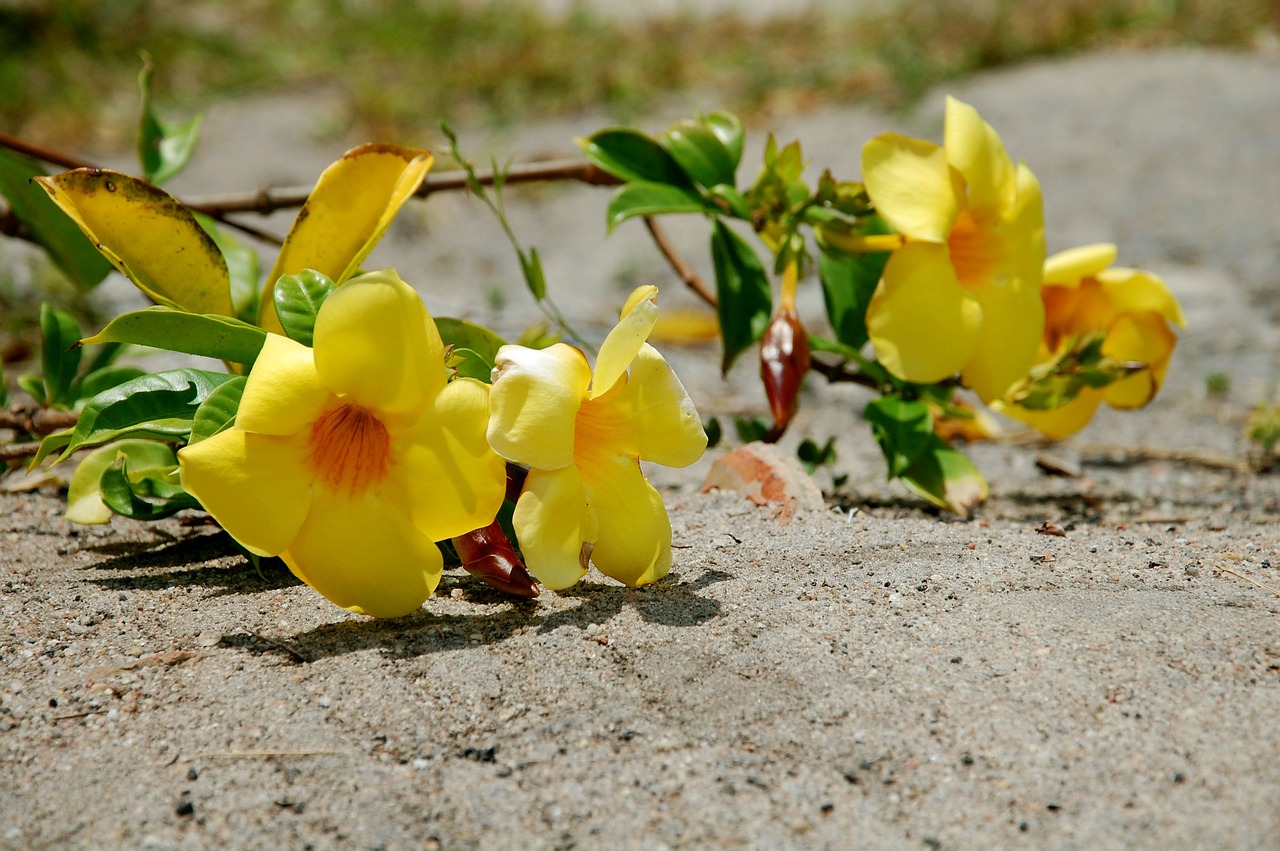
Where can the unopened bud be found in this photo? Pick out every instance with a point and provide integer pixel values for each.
(488, 555)
(784, 360)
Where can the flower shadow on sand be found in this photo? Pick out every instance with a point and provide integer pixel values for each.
(672, 602)
(136, 566)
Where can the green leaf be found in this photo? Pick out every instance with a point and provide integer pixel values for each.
(59, 356)
(298, 299)
(750, 429)
(728, 130)
(745, 301)
(218, 410)
(34, 385)
(463, 334)
(471, 364)
(206, 334)
(904, 430)
(714, 432)
(84, 495)
(643, 198)
(945, 477)
(136, 484)
(106, 378)
(848, 282)
(531, 266)
(164, 148)
(242, 267)
(49, 445)
(700, 153)
(633, 156)
(813, 456)
(159, 406)
(67, 246)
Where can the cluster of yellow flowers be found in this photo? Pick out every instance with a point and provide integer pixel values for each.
(352, 458)
(970, 291)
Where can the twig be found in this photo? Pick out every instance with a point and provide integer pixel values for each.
(268, 200)
(1249, 579)
(280, 645)
(1182, 456)
(42, 154)
(39, 421)
(681, 268)
(836, 373)
(14, 451)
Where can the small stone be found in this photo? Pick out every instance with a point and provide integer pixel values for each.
(185, 807)
(457, 593)
(208, 639)
(765, 474)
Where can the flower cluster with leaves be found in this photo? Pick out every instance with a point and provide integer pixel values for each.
(354, 435)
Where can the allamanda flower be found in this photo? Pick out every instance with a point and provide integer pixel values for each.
(582, 434)
(963, 291)
(1085, 295)
(351, 459)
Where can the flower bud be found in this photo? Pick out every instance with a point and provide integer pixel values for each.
(784, 359)
(488, 555)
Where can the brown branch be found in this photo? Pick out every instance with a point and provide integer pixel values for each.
(15, 451)
(268, 200)
(682, 269)
(37, 421)
(835, 373)
(43, 154)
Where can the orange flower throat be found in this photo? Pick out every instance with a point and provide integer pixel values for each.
(350, 448)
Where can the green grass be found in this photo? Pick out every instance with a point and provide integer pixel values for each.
(68, 67)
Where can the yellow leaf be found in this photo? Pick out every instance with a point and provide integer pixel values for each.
(151, 238)
(346, 214)
(685, 327)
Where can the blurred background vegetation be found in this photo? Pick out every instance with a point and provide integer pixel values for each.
(68, 67)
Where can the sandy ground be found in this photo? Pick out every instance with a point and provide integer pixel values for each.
(877, 677)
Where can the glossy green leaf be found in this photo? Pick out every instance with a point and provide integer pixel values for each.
(744, 298)
(148, 235)
(84, 495)
(137, 483)
(467, 335)
(644, 198)
(633, 156)
(104, 379)
(848, 282)
(213, 336)
(218, 410)
(50, 444)
(728, 129)
(59, 355)
(164, 147)
(904, 430)
(58, 235)
(471, 364)
(34, 386)
(700, 153)
(159, 406)
(298, 299)
(945, 477)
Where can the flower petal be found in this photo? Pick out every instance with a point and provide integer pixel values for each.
(634, 542)
(619, 348)
(1136, 291)
(918, 304)
(552, 521)
(376, 344)
(1068, 268)
(1142, 337)
(257, 486)
(976, 151)
(283, 394)
(534, 404)
(1022, 235)
(364, 555)
(1012, 325)
(1059, 422)
(450, 480)
(665, 425)
(912, 185)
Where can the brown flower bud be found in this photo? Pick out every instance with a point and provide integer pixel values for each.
(488, 555)
(784, 360)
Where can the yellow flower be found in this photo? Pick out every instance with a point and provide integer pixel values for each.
(583, 436)
(962, 294)
(351, 459)
(1084, 295)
